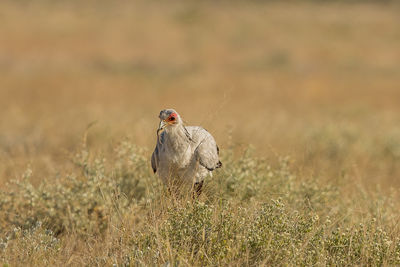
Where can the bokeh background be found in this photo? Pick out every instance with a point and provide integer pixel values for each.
(318, 81)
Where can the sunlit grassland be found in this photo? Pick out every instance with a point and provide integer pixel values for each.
(313, 89)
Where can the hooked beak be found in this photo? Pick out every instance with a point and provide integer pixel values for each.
(162, 126)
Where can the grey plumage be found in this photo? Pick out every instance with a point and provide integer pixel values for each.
(187, 153)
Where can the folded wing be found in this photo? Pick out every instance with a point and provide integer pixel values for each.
(206, 152)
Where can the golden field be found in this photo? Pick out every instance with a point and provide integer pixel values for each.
(318, 83)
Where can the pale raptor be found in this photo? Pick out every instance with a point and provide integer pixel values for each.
(183, 154)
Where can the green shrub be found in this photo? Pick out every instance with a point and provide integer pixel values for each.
(250, 214)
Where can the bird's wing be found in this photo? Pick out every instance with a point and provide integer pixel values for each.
(207, 151)
(154, 158)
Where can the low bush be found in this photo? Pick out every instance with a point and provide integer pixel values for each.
(115, 211)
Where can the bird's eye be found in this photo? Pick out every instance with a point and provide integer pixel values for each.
(172, 118)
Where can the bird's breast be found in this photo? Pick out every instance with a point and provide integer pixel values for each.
(178, 156)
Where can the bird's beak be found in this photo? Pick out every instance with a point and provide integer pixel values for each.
(162, 126)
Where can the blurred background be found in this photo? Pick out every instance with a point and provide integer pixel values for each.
(318, 81)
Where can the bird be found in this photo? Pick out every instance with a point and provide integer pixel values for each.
(183, 154)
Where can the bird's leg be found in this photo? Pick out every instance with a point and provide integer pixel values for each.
(197, 189)
(172, 188)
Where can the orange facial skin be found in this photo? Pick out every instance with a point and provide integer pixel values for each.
(172, 118)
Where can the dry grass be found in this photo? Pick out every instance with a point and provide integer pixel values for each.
(317, 82)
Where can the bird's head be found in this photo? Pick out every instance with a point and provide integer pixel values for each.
(168, 118)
